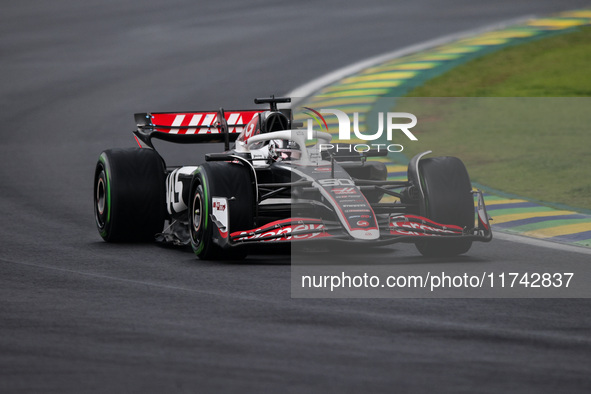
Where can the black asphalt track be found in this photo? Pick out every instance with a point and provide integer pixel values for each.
(80, 315)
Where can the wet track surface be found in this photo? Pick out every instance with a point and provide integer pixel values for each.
(77, 314)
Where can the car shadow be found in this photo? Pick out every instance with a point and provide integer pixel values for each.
(343, 254)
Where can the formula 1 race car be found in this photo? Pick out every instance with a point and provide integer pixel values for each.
(274, 186)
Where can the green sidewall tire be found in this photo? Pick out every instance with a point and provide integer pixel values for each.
(220, 179)
(448, 200)
(129, 195)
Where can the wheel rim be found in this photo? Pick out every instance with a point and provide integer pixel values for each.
(100, 196)
(196, 213)
(101, 200)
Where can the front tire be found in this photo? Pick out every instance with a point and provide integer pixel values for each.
(448, 200)
(129, 194)
(220, 179)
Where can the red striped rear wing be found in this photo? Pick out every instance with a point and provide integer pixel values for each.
(192, 127)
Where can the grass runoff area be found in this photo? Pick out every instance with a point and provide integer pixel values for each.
(531, 135)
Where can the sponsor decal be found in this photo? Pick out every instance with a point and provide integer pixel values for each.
(406, 228)
(285, 233)
(219, 206)
(220, 214)
(339, 189)
(200, 122)
(362, 223)
(344, 190)
(413, 233)
(342, 197)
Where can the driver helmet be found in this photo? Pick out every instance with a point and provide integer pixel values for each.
(284, 150)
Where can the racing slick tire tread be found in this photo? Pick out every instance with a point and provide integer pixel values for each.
(220, 179)
(129, 194)
(448, 200)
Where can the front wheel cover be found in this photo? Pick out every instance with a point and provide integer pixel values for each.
(219, 179)
(448, 200)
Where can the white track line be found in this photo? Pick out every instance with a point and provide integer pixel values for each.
(302, 92)
(315, 85)
(540, 242)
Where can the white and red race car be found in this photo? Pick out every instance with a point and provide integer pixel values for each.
(276, 186)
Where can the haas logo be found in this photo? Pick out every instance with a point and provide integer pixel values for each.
(362, 223)
(344, 190)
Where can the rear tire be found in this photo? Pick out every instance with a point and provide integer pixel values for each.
(129, 195)
(448, 200)
(220, 179)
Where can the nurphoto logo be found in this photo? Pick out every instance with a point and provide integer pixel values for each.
(393, 124)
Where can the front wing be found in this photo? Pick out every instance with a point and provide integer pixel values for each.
(393, 228)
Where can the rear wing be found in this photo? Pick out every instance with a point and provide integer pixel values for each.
(193, 127)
